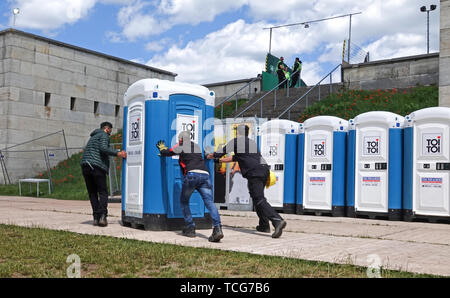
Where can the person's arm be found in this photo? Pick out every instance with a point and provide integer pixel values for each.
(228, 148)
(226, 159)
(165, 151)
(104, 146)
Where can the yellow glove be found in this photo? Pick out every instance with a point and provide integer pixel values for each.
(161, 145)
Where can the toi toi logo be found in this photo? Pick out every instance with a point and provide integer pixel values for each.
(319, 149)
(189, 127)
(433, 145)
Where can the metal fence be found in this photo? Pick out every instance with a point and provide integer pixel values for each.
(37, 158)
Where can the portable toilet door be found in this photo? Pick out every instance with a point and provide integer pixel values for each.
(427, 165)
(322, 182)
(375, 170)
(278, 146)
(159, 110)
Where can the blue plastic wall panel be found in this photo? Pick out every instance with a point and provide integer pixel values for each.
(339, 157)
(300, 168)
(351, 147)
(395, 168)
(157, 128)
(408, 168)
(186, 105)
(209, 143)
(124, 161)
(290, 168)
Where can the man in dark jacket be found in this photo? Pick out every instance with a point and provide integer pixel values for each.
(255, 169)
(297, 70)
(95, 166)
(196, 177)
(281, 72)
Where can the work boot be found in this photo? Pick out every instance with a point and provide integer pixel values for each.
(279, 226)
(216, 234)
(102, 222)
(263, 229)
(189, 232)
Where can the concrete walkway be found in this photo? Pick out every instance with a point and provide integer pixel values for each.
(413, 247)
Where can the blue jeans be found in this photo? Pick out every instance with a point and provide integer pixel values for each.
(201, 183)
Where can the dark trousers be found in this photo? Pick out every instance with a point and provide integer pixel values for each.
(295, 79)
(281, 78)
(95, 179)
(263, 209)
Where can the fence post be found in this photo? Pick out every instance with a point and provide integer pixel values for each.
(331, 83)
(47, 163)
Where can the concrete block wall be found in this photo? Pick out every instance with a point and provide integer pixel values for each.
(225, 89)
(393, 73)
(47, 86)
(444, 59)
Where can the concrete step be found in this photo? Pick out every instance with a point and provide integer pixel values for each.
(273, 105)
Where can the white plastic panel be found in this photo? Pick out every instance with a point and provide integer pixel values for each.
(371, 185)
(431, 179)
(135, 158)
(272, 150)
(317, 191)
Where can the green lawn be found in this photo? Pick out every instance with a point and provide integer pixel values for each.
(350, 103)
(36, 252)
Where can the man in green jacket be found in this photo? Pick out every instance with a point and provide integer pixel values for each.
(95, 166)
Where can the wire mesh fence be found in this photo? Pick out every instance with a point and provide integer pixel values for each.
(48, 157)
(355, 55)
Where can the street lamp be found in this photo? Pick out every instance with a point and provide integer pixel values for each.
(424, 9)
(15, 12)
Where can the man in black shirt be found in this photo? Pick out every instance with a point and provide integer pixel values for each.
(281, 72)
(196, 177)
(255, 169)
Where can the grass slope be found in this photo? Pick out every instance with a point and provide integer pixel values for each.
(37, 252)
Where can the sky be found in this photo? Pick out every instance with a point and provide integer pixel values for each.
(208, 41)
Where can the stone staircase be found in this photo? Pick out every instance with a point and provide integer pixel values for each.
(270, 110)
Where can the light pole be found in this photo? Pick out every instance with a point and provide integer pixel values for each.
(424, 9)
(15, 12)
(306, 26)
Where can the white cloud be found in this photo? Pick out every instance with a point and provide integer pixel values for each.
(50, 14)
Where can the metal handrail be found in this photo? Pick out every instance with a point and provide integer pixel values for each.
(235, 93)
(306, 94)
(268, 92)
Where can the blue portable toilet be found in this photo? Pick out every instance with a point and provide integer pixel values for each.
(278, 146)
(427, 165)
(374, 165)
(159, 110)
(321, 166)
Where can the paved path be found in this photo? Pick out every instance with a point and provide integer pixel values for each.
(414, 247)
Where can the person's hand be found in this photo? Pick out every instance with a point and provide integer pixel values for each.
(210, 156)
(122, 154)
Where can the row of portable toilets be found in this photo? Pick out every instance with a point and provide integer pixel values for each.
(378, 163)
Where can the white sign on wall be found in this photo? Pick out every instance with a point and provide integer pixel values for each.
(372, 145)
(432, 144)
(318, 148)
(190, 124)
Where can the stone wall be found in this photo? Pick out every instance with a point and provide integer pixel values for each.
(444, 59)
(225, 89)
(47, 86)
(393, 73)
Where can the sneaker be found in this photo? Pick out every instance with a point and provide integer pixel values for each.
(102, 222)
(189, 232)
(263, 229)
(95, 222)
(279, 229)
(216, 235)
